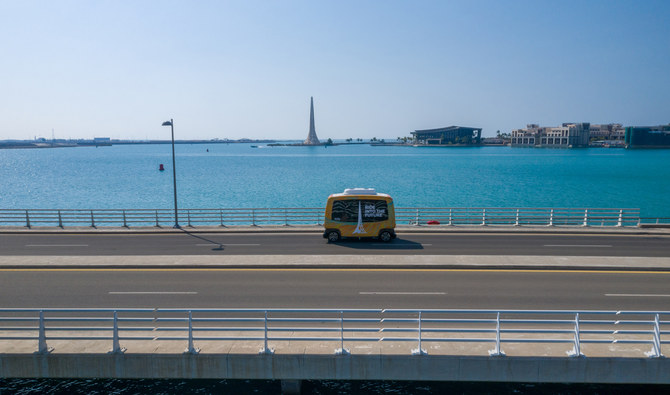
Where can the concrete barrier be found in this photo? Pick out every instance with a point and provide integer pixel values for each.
(334, 367)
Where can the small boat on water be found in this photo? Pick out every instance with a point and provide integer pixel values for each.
(254, 146)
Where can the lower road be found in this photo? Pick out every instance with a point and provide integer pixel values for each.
(335, 288)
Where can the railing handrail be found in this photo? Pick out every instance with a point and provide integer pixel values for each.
(332, 324)
(501, 216)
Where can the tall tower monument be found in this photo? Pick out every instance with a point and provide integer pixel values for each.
(311, 137)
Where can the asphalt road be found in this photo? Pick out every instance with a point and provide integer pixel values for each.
(334, 288)
(556, 244)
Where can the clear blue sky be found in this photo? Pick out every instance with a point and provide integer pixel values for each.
(234, 69)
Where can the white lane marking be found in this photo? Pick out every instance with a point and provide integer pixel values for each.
(153, 293)
(56, 245)
(401, 293)
(225, 245)
(640, 295)
(579, 245)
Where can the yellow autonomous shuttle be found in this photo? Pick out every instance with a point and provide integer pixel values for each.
(359, 212)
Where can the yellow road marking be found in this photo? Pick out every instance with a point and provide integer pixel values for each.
(331, 270)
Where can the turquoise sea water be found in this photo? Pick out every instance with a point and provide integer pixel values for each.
(237, 175)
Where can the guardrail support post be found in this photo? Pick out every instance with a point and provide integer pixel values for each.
(191, 348)
(551, 218)
(342, 350)
(419, 350)
(221, 218)
(27, 220)
(620, 222)
(42, 347)
(450, 218)
(484, 217)
(416, 223)
(60, 220)
(586, 218)
(285, 218)
(497, 352)
(125, 224)
(116, 347)
(253, 217)
(158, 226)
(576, 349)
(188, 216)
(516, 223)
(656, 341)
(92, 220)
(266, 349)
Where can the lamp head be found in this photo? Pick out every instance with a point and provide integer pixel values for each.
(167, 123)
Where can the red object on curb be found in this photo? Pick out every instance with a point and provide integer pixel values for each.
(433, 222)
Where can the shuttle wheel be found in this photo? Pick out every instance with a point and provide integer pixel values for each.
(385, 236)
(333, 236)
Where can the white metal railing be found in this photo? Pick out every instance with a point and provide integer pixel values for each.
(340, 326)
(223, 217)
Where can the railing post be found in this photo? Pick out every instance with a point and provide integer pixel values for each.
(576, 349)
(60, 219)
(450, 218)
(266, 349)
(125, 224)
(191, 348)
(221, 217)
(116, 347)
(157, 219)
(656, 340)
(253, 217)
(188, 216)
(497, 352)
(92, 220)
(516, 223)
(285, 218)
(342, 350)
(551, 218)
(42, 347)
(416, 223)
(419, 350)
(484, 217)
(620, 222)
(27, 220)
(586, 218)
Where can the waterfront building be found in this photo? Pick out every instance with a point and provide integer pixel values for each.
(568, 135)
(311, 136)
(448, 136)
(607, 132)
(648, 136)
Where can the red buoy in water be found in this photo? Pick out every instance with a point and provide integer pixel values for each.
(161, 168)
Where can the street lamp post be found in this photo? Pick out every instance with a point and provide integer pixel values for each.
(170, 123)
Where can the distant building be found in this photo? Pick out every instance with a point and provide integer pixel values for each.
(311, 136)
(648, 136)
(568, 135)
(607, 132)
(102, 140)
(449, 135)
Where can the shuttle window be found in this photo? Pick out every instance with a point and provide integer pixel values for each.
(371, 210)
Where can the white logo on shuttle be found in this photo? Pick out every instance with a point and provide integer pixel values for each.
(359, 227)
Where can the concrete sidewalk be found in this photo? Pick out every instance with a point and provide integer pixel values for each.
(509, 262)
